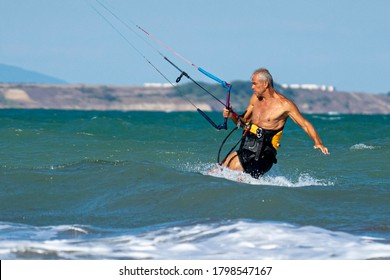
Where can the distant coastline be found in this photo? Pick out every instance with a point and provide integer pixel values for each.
(167, 99)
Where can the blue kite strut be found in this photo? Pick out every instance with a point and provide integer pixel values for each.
(228, 88)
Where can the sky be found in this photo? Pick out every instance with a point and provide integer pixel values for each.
(344, 43)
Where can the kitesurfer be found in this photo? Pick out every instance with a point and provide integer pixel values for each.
(263, 124)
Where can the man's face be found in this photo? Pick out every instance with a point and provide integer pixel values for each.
(258, 86)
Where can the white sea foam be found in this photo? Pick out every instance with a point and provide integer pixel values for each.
(269, 179)
(361, 146)
(240, 239)
(330, 117)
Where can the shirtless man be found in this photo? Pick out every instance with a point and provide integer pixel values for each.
(264, 121)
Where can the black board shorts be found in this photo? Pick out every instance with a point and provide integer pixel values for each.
(253, 161)
(253, 167)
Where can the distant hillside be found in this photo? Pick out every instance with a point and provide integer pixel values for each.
(310, 101)
(12, 74)
(161, 98)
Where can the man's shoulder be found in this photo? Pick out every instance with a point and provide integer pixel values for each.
(287, 104)
(283, 99)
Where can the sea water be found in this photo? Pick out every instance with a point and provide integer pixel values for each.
(137, 185)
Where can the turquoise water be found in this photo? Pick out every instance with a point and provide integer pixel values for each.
(135, 185)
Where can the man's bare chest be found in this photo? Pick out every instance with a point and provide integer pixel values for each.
(268, 115)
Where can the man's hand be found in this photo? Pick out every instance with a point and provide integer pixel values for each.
(226, 113)
(323, 149)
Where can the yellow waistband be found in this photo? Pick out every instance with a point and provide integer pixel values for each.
(253, 128)
(276, 139)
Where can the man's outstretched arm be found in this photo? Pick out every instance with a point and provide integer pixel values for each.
(297, 117)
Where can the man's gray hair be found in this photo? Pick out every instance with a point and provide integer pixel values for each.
(264, 75)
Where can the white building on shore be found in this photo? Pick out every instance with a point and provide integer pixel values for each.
(309, 87)
(158, 85)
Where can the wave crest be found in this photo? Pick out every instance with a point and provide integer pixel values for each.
(234, 239)
(361, 146)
